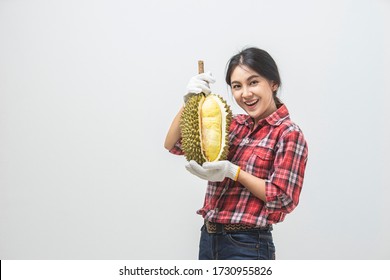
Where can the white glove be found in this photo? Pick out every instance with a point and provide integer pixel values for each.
(214, 171)
(198, 84)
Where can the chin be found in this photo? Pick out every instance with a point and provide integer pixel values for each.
(253, 114)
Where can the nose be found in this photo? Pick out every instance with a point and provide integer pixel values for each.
(246, 92)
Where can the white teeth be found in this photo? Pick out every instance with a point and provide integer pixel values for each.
(251, 103)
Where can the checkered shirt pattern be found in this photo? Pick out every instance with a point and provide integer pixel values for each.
(275, 151)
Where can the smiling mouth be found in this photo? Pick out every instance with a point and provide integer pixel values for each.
(251, 103)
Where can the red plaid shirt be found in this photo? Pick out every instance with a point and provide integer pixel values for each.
(275, 151)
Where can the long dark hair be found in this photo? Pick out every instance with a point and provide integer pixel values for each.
(259, 61)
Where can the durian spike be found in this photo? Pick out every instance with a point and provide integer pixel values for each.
(200, 66)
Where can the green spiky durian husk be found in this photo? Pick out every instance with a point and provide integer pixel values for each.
(229, 117)
(189, 125)
(190, 130)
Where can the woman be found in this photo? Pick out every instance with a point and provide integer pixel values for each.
(261, 180)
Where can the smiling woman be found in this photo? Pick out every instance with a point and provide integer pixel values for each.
(261, 180)
(253, 92)
(260, 67)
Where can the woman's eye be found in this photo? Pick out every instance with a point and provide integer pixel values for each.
(253, 83)
(236, 87)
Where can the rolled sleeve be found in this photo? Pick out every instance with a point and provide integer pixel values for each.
(177, 150)
(285, 184)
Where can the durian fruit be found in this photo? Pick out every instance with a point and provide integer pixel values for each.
(204, 127)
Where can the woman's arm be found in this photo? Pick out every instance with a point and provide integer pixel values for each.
(174, 132)
(253, 184)
(283, 189)
(217, 171)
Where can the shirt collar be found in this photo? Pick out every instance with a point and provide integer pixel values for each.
(275, 119)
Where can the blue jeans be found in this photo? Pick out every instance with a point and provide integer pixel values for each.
(241, 245)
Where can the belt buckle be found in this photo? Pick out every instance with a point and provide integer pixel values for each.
(219, 228)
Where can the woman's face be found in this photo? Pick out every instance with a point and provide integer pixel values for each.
(253, 92)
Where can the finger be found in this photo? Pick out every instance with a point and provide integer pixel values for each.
(200, 82)
(198, 86)
(213, 165)
(208, 77)
(205, 89)
(194, 89)
(192, 171)
(197, 168)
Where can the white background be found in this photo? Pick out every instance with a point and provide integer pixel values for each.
(88, 90)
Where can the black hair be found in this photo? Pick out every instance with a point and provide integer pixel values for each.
(258, 60)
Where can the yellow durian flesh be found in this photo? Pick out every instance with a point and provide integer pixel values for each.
(211, 127)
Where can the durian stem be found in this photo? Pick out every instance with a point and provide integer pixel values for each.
(200, 66)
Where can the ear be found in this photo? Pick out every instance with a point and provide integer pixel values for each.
(274, 86)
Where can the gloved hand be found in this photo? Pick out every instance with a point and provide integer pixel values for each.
(198, 84)
(214, 171)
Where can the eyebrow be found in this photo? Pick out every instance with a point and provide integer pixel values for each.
(249, 78)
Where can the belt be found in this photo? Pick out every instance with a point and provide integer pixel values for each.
(219, 228)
